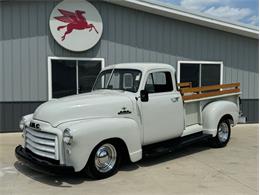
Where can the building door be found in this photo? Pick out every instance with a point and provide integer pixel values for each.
(72, 76)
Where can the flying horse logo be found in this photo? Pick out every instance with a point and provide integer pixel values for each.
(75, 21)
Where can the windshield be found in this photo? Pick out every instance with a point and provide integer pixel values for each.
(119, 79)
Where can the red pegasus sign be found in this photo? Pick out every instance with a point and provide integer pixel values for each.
(75, 20)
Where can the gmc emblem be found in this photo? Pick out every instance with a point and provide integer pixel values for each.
(34, 125)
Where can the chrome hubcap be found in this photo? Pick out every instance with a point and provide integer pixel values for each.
(223, 132)
(105, 158)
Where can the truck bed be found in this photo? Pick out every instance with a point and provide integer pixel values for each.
(195, 98)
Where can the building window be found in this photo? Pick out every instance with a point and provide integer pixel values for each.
(200, 73)
(70, 76)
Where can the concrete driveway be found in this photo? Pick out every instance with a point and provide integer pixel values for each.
(197, 169)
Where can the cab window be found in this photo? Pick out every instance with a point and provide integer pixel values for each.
(158, 82)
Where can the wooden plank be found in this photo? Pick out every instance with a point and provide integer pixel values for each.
(184, 84)
(210, 94)
(208, 88)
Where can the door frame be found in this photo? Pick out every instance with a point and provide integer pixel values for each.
(102, 60)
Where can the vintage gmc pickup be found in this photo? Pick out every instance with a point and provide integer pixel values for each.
(134, 110)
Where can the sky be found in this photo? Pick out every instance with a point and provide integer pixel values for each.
(244, 11)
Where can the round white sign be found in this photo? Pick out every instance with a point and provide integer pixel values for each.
(76, 25)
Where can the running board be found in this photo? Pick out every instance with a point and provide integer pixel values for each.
(173, 145)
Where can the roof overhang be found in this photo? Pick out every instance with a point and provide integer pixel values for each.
(183, 15)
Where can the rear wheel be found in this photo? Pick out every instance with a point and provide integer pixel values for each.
(223, 134)
(104, 161)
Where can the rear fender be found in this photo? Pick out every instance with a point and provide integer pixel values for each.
(213, 112)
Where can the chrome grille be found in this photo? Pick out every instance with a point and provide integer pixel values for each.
(41, 143)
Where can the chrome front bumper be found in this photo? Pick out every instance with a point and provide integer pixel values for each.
(40, 163)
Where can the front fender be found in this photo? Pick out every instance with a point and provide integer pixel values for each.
(213, 112)
(88, 133)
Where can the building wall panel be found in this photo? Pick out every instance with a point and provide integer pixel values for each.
(11, 112)
(128, 36)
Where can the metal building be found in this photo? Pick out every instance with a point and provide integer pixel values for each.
(133, 31)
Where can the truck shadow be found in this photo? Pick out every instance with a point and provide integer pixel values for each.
(61, 180)
(68, 181)
(160, 158)
(186, 151)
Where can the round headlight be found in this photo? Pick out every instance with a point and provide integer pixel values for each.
(67, 137)
(22, 123)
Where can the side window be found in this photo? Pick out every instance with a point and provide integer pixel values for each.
(159, 78)
(158, 82)
(149, 86)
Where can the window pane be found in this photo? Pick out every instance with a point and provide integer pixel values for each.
(63, 78)
(159, 82)
(87, 74)
(103, 79)
(149, 87)
(210, 74)
(128, 81)
(159, 78)
(190, 73)
(121, 79)
(125, 79)
(115, 81)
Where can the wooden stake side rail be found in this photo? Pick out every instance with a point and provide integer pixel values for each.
(184, 84)
(209, 91)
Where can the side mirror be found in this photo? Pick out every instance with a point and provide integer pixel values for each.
(144, 96)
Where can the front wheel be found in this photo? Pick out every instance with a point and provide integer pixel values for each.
(223, 135)
(103, 161)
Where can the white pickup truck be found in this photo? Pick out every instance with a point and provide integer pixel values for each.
(133, 109)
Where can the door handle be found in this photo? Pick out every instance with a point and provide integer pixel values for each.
(175, 99)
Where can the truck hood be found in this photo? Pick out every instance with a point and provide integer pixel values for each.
(101, 103)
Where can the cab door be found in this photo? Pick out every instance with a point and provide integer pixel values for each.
(162, 114)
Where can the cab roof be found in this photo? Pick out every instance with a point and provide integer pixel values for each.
(142, 66)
